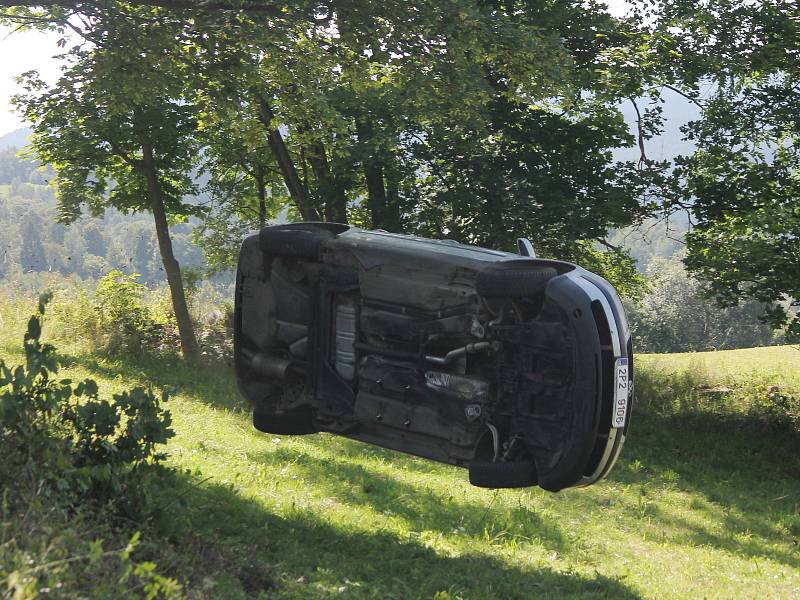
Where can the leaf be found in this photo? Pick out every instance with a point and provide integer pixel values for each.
(34, 328)
(95, 551)
(132, 544)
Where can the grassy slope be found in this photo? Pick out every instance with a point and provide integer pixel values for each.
(693, 509)
(780, 362)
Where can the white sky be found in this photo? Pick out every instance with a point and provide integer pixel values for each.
(28, 50)
(20, 52)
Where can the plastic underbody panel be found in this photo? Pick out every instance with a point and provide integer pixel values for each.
(385, 339)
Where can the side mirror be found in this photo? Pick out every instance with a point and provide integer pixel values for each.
(525, 247)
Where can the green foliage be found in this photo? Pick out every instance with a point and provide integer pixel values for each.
(70, 564)
(67, 428)
(677, 315)
(87, 457)
(120, 130)
(509, 133)
(752, 255)
(15, 169)
(759, 397)
(616, 265)
(31, 241)
(32, 255)
(736, 61)
(123, 317)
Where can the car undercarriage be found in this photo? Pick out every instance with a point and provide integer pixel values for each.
(519, 369)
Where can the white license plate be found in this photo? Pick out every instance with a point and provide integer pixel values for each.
(621, 388)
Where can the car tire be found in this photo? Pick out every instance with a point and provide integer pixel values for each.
(516, 474)
(513, 279)
(292, 242)
(291, 423)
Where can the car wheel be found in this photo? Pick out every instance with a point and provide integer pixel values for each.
(292, 241)
(516, 474)
(291, 423)
(513, 279)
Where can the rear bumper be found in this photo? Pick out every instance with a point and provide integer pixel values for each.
(615, 349)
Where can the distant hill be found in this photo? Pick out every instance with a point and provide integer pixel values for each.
(18, 138)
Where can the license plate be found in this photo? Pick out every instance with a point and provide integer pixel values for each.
(621, 389)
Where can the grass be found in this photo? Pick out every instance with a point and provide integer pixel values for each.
(699, 505)
(779, 362)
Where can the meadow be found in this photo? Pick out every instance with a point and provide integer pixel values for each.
(704, 502)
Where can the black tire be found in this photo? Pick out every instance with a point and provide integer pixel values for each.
(291, 423)
(513, 279)
(292, 241)
(487, 474)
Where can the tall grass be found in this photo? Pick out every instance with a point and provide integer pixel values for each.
(759, 387)
(117, 316)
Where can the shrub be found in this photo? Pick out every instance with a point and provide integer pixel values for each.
(67, 428)
(72, 316)
(753, 399)
(212, 313)
(69, 461)
(124, 319)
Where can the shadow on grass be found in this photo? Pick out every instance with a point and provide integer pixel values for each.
(748, 475)
(249, 550)
(214, 385)
(422, 509)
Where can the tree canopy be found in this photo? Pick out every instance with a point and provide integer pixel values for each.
(738, 61)
(120, 130)
(476, 121)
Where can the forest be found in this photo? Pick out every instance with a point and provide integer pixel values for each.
(670, 309)
(176, 128)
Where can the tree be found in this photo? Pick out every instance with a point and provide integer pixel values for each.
(737, 61)
(245, 187)
(675, 315)
(32, 256)
(120, 132)
(457, 119)
(95, 242)
(474, 122)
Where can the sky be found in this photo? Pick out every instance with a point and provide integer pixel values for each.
(20, 52)
(23, 51)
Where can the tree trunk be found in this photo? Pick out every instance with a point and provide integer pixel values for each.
(383, 196)
(262, 198)
(329, 189)
(189, 345)
(392, 215)
(381, 202)
(281, 153)
(376, 193)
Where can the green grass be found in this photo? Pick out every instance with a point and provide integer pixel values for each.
(698, 506)
(780, 362)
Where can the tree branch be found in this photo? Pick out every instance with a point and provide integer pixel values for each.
(116, 149)
(607, 244)
(671, 88)
(639, 136)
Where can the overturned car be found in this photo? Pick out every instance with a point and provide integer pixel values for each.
(517, 368)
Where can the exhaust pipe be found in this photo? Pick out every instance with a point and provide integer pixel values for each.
(272, 367)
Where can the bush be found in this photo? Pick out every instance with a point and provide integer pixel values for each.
(67, 429)
(754, 399)
(675, 315)
(69, 461)
(124, 319)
